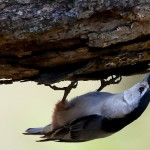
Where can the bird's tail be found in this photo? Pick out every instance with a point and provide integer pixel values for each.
(39, 131)
(34, 131)
(49, 134)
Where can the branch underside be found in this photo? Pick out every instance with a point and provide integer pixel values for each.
(98, 41)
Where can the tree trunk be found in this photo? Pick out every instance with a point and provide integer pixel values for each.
(49, 41)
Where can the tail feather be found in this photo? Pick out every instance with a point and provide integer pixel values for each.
(46, 140)
(58, 135)
(38, 131)
(34, 131)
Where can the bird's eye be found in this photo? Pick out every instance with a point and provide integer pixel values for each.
(141, 89)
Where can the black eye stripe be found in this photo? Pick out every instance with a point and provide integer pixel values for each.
(141, 89)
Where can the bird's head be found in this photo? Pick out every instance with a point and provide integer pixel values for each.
(133, 95)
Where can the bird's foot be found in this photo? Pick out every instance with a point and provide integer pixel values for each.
(114, 79)
(67, 89)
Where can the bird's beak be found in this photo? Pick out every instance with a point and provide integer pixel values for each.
(147, 78)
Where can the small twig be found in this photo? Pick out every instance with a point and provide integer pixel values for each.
(67, 89)
(113, 80)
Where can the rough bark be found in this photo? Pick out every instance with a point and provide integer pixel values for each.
(48, 41)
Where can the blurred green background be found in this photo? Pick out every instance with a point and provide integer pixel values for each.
(25, 105)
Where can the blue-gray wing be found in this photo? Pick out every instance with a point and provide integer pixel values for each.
(80, 130)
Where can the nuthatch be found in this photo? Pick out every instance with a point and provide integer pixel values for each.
(95, 114)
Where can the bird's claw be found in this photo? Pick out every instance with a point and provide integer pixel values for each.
(113, 80)
(67, 89)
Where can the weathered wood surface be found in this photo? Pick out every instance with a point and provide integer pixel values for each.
(48, 41)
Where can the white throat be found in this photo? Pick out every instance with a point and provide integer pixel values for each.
(121, 104)
(117, 107)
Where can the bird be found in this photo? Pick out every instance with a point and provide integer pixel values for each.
(95, 114)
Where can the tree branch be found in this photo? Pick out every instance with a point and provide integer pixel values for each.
(50, 41)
